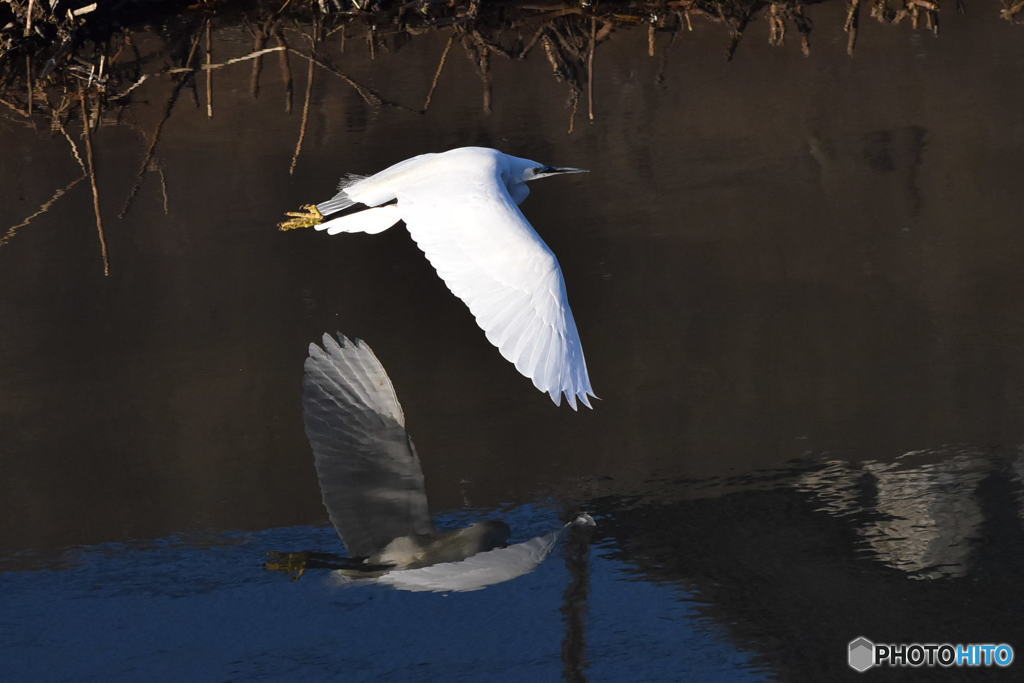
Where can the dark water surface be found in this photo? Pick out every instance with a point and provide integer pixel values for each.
(797, 282)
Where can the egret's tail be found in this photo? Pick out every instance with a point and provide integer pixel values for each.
(335, 204)
(341, 200)
(370, 221)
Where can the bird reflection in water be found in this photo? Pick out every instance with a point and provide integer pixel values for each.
(372, 486)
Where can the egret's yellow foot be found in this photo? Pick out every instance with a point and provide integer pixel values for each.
(307, 218)
(293, 563)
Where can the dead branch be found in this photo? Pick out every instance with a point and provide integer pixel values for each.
(209, 71)
(590, 68)
(10, 232)
(437, 72)
(91, 162)
(368, 95)
(310, 72)
(210, 67)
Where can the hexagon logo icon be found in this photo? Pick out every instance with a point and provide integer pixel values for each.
(861, 654)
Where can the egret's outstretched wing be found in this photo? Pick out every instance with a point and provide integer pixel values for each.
(490, 256)
(479, 571)
(370, 477)
(373, 190)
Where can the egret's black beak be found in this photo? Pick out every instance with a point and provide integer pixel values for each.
(553, 170)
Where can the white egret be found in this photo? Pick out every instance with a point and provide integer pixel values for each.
(372, 486)
(461, 208)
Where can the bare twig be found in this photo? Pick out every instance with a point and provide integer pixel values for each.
(776, 24)
(305, 104)
(437, 72)
(851, 25)
(163, 190)
(486, 80)
(124, 93)
(368, 95)
(590, 68)
(259, 42)
(574, 103)
(150, 150)
(1010, 12)
(481, 59)
(74, 148)
(192, 52)
(305, 118)
(97, 114)
(531, 42)
(286, 70)
(235, 60)
(13, 107)
(209, 71)
(10, 232)
(28, 19)
(481, 40)
(92, 182)
(155, 139)
(28, 79)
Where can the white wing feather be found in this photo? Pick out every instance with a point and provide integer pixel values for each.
(479, 571)
(490, 256)
(370, 478)
(370, 221)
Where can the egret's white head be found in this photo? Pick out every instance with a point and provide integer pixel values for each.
(519, 170)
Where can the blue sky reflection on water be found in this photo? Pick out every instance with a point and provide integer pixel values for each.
(172, 610)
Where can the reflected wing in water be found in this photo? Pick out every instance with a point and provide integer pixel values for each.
(479, 571)
(370, 477)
